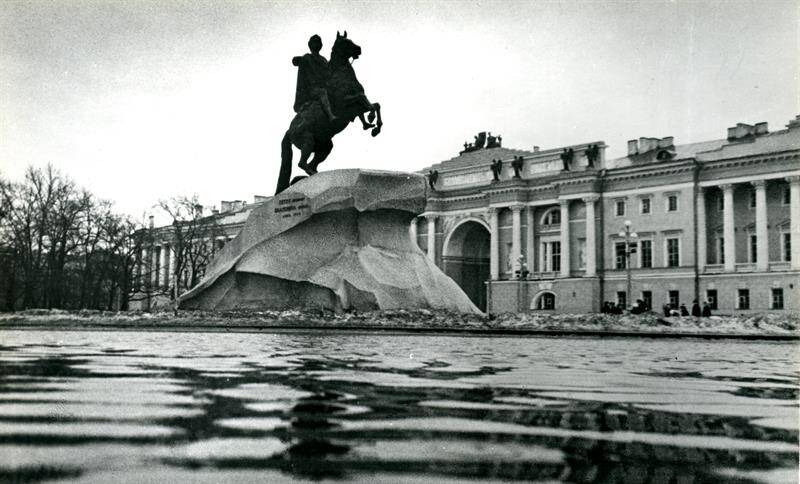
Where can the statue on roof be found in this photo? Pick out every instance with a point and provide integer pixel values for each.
(433, 177)
(497, 169)
(516, 164)
(592, 154)
(566, 158)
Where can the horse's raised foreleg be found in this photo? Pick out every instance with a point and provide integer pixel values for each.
(376, 108)
(306, 148)
(364, 124)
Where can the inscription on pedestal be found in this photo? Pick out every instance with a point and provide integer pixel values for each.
(292, 205)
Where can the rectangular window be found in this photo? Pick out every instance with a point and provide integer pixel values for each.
(743, 299)
(645, 205)
(752, 195)
(720, 202)
(555, 256)
(619, 252)
(787, 246)
(647, 297)
(646, 253)
(711, 297)
(672, 203)
(581, 253)
(509, 257)
(673, 253)
(622, 299)
(620, 208)
(753, 248)
(787, 196)
(720, 250)
(674, 299)
(777, 298)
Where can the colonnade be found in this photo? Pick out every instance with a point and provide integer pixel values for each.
(761, 225)
(530, 233)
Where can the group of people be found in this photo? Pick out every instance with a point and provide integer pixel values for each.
(697, 311)
(640, 307)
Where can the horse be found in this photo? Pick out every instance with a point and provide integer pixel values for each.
(312, 131)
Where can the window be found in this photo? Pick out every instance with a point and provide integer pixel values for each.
(553, 217)
(752, 195)
(744, 299)
(720, 250)
(581, 253)
(620, 208)
(546, 301)
(787, 246)
(619, 252)
(673, 253)
(711, 297)
(622, 299)
(551, 256)
(647, 297)
(753, 248)
(674, 299)
(646, 253)
(555, 256)
(672, 203)
(644, 205)
(720, 202)
(509, 257)
(786, 196)
(777, 298)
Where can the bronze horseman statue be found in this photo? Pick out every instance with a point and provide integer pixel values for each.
(327, 99)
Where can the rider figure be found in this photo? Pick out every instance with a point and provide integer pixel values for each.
(312, 77)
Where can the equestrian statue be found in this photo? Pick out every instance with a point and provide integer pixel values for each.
(328, 98)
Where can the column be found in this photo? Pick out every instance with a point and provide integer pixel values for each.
(591, 236)
(516, 237)
(432, 238)
(728, 229)
(762, 244)
(702, 244)
(171, 277)
(164, 280)
(564, 238)
(794, 222)
(412, 231)
(153, 268)
(529, 239)
(494, 245)
(143, 269)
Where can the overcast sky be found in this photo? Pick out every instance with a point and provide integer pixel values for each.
(142, 100)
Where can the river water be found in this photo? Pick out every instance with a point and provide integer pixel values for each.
(167, 407)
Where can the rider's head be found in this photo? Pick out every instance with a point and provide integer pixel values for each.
(315, 43)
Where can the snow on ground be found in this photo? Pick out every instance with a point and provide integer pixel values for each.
(756, 324)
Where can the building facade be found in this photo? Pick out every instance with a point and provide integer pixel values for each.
(716, 221)
(564, 230)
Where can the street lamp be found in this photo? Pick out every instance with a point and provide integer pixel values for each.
(630, 248)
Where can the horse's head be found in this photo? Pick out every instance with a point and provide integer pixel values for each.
(345, 48)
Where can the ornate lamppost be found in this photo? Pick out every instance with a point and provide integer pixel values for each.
(630, 248)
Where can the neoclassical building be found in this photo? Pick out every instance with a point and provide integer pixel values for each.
(545, 230)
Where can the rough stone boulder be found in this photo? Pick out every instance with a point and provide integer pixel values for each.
(337, 240)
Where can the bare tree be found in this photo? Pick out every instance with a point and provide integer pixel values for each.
(191, 242)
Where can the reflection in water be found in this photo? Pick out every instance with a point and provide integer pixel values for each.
(209, 407)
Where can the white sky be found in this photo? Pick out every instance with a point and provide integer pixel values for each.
(142, 100)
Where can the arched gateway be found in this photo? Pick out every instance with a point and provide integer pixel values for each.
(466, 259)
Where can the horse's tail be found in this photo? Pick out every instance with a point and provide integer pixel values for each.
(286, 163)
